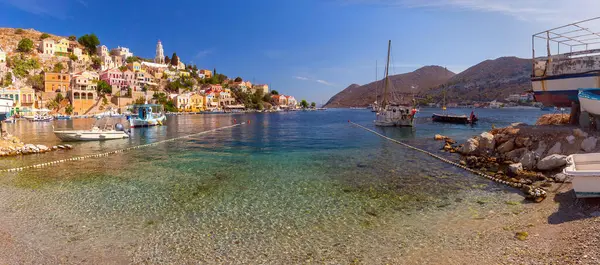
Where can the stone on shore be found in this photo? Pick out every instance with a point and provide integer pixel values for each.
(539, 151)
(561, 177)
(528, 160)
(570, 139)
(506, 146)
(523, 142)
(439, 137)
(579, 133)
(556, 149)
(515, 155)
(514, 169)
(486, 141)
(469, 147)
(42, 147)
(552, 162)
(589, 144)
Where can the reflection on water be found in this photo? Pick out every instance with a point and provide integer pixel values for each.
(285, 188)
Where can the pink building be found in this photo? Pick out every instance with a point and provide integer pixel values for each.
(114, 78)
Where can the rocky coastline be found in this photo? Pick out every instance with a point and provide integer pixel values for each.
(523, 156)
(13, 146)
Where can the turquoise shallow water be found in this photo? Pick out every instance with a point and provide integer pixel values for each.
(286, 187)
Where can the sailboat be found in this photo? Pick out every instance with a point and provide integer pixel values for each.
(452, 118)
(389, 113)
(375, 105)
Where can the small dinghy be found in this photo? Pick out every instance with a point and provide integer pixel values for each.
(452, 118)
(585, 170)
(95, 134)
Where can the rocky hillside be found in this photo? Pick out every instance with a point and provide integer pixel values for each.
(413, 82)
(486, 81)
(10, 37)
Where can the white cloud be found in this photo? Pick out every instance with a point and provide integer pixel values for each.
(547, 11)
(320, 81)
(203, 53)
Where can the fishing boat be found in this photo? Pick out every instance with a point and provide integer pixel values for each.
(446, 117)
(392, 114)
(585, 170)
(571, 62)
(6, 105)
(147, 115)
(95, 134)
(41, 115)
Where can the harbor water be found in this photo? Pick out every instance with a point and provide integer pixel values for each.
(289, 187)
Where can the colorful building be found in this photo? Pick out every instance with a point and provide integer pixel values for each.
(135, 66)
(291, 101)
(47, 46)
(184, 74)
(82, 100)
(85, 80)
(264, 88)
(56, 82)
(182, 102)
(78, 52)
(102, 51)
(206, 73)
(197, 103)
(23, 98)
(62, 47)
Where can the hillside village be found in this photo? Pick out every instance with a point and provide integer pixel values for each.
(80, 76)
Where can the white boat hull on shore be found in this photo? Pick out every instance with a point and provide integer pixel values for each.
(585, 170)
(589, 102)
(93, 135)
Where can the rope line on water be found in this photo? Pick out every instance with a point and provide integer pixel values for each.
(535, 192)
(115, 151)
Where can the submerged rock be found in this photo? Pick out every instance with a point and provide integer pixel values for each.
(552, 162)
(589, 144)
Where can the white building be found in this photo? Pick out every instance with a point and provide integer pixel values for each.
(160, 54)
(47, 46)
(78, 52)
(123, 52)
(513, 98)
(102, 50)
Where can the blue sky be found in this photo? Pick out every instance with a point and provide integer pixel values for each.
(307, 48)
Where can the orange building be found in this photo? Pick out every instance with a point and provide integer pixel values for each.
(206, 73)
(83, 100)
(56, 82)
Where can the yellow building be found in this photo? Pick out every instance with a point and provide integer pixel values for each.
(62, 46)
(135, 66)
(56, 82)
(206, 73)
(183, 73)
(23, 98)
(197, 103)
(82, 100)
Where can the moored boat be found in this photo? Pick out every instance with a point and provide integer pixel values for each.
(95, 134)
(147, 115)
(585, 170)
(452, 118)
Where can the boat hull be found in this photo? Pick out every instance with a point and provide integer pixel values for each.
(73, 136)
(452, 119)
(137, 122)
(395, 116)
(589, 102)
(585, 170)
(562, 90)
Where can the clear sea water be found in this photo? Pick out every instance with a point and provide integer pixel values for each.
(289, 187)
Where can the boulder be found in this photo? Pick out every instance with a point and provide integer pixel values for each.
(539, 151)
(522, 142)
(570, 139)
(61, 146)
(469, 147)
(552, 162)
(528, 160)
(579, 133)
(514, 169)
(556, 149)
(515, 155)
(68, 146)
(439, 137)
(506, 146)
(486, 141)
(561, 177)
(589, 144)
(516, 124)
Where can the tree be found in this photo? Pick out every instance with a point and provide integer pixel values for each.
(131, 59)
(25, 45)
(96, 62)
(73, 57)
(19, 31)
(103, 87)
(274, 92)
(238, 80)
(174, 60)
(267, 98)
(140, 100)
(21, 65)
(313, 105)
(304, 104)
(72, 38)
(123, 68)
(167, 59)
(58, 67)
(7, 81)
(44, 36)
(89, 42)
(36, 82)
(69, 109)
(59, 97)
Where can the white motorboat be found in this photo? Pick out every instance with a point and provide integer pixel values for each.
(589, 101)
(585, 170)
(95, 134)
